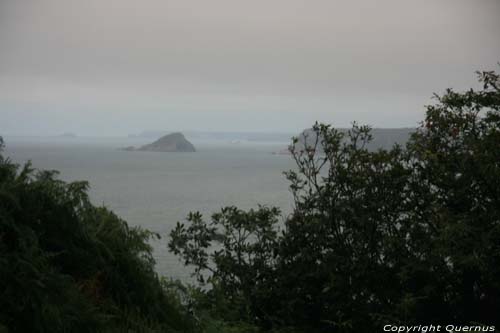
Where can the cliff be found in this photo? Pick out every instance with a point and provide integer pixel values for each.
(382, 138)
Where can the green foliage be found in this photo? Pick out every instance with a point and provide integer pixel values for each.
(68, 266)
(236, 247)
(408, 235)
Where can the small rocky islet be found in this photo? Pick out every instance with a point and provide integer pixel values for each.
(174, 142)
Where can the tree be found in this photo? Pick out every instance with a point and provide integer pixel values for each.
(409, 234)
(237, 249)
(68, 266)
(457, 162)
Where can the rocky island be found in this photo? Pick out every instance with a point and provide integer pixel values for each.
(174, 142)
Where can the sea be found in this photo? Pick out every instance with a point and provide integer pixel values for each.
(156, 190)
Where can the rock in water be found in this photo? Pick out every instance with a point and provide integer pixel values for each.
(175, 142)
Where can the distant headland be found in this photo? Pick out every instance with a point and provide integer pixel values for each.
(382, 138)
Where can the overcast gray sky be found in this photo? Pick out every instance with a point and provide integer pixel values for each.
(112, 67)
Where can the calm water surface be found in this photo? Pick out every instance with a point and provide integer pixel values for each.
(155, 190)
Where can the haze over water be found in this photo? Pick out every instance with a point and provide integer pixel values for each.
(155, 190)
(108, 68)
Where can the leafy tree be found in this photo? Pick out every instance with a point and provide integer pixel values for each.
(457, 163)
(408, 235)
(68, 266)
(236, 247)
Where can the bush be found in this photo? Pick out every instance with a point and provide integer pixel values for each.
(66, 265)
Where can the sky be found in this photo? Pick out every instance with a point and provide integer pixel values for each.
(114, 67)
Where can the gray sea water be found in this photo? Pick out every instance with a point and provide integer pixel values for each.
(155, 190)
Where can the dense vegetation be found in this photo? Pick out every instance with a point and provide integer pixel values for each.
(68, 266)
(409, 235)
(406, 235)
